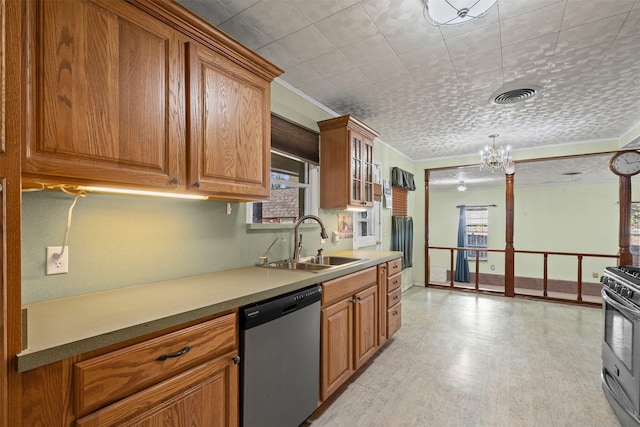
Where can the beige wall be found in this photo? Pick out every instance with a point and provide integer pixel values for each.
(562, 218)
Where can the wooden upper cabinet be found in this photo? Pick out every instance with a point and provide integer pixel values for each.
(230, 134)
(346, 163)
(144, 94)
(106, 95)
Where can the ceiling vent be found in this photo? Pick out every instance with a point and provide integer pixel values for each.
(511, 96)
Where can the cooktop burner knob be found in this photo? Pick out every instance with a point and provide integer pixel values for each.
(623, 292)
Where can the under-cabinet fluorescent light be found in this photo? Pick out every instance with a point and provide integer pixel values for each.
(353, 209)
(141, 193)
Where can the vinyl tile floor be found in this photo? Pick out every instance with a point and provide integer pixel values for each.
(465, 359)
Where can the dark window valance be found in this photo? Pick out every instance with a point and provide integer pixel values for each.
(402, 179)
(291, 138)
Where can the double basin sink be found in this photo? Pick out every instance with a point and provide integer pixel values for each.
(313, 263)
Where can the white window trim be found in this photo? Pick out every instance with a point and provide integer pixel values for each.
(375, 239)
(312, 199)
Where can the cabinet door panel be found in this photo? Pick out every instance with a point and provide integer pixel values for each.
(337, 346)
(366, 325)
(106, 94)
(230, 129)
(206, 395)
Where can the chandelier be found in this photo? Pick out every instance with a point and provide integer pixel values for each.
(452, 12)
(493, 157)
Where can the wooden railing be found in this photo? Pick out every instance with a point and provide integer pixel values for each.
(545, 273)
(452, 263)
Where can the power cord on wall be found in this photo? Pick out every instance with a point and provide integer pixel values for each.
(68, 228)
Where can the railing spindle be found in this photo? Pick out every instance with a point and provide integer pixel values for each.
(452, 271)
(546, 274)
(477, 267)
(579, 277)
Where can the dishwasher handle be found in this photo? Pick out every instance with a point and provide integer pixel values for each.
(289, 309)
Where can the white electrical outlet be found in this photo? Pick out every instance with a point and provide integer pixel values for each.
(57, 264)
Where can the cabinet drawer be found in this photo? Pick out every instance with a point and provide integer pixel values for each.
(346, 286)
(394, 319)
(114, 375)
(394, 297)
(394, 282)
(394, 266)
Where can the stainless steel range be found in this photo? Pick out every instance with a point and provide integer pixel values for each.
(621, 344)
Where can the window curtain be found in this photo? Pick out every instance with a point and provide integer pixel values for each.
(402, 238)
(462, 261)
(403, 179)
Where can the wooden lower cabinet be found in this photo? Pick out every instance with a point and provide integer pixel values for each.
(382, 292)
(206, 395)
(360, 312)
(393, 303)
(366, 325)
(137, 385)
(337, 346)
(349, 327)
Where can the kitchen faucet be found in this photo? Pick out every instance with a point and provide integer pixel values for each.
(298, 237)
(265, 257)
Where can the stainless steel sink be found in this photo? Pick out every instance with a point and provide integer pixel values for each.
(295, 265)
(329, 260)
(312, 263)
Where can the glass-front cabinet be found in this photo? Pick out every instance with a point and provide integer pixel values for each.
(346, 164)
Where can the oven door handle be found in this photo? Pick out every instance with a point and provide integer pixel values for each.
(620, 305)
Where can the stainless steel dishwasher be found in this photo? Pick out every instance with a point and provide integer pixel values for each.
(280, 359)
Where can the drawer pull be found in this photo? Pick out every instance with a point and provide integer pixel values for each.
(395, 297)
(359, 298)
(395, 312)
(236, 360)
(185, 350)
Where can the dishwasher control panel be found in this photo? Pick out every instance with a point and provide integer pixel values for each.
(264, 311)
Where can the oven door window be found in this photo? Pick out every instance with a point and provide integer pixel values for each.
(618, 334)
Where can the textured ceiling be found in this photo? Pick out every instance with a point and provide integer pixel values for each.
(426, 89)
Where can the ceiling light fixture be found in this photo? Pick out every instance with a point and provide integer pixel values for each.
(462, 186)
(453, 12)
(493, 157)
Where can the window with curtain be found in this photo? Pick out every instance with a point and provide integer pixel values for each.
(294, 175)
(477, 231)
(401, 224)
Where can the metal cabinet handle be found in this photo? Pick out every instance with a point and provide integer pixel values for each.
(395, 312)
(359, 298)
(175, 181)
(395, 297)
(185, 350)
(353, 300)
(236, 360)
(196, 184)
